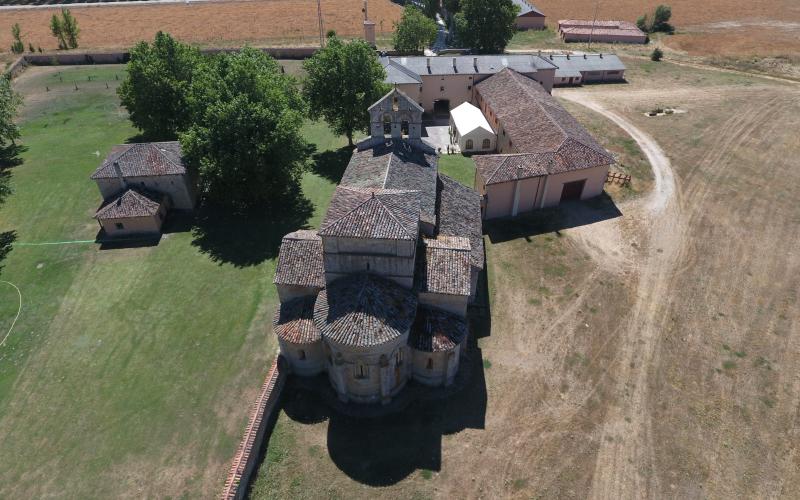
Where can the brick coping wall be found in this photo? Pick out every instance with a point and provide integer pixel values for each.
(244, 462)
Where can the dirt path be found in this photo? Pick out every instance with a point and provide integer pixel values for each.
(626, 451)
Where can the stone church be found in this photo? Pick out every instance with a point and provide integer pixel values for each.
(378, 295)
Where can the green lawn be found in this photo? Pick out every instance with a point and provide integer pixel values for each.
(130, 371)
(459, 167)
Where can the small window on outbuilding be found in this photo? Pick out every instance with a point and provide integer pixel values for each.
(301, 355)
(119, 225)
(469, 144)
(487, 144)
(429, 365)
(441, 89)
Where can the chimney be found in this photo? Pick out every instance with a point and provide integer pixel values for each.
(601, 55)
(429, 64)
(454, 65)
(551, 57)
(475, 63)
(567, 57)
(118, 172)
(584, 56)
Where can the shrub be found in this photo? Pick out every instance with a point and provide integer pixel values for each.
(658, 21)
(414, 32)
(17, 46)
(657, 54)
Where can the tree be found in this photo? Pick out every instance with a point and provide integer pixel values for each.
(343, 80)
(69, 26)
(244, 136)
(658, 21)
(17, 46)
(156, 90)
(657, 54)
(451, 6)
(57, 30)
(10, 102)
(486, 25)
(414, 32)
(430, 7)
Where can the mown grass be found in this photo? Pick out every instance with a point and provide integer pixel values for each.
(459, 167)
(130, 370)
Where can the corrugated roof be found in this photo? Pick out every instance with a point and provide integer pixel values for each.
(526, 8)
(142, 160)
(364, 310)
(487, 64)
(577, 63)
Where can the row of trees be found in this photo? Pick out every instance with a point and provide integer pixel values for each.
(64, 28)
(238, 116)
(486, 26)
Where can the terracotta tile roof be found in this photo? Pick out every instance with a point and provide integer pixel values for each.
(143, 160)
(435, 330)
(364, 310)
(131, 203)
(398, 166)
(443, 266)
(460, 215)
(294, 321)
(300, 260)
(536, 123)
(372, 213)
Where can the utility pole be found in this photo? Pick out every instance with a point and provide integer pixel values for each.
(321, 27)
(594, 20)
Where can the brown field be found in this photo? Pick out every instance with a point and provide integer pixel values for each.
(208, 23)
(649, 355)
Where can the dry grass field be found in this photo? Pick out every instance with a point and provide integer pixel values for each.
(208, 23)
(648, 355)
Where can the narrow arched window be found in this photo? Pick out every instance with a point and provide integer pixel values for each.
(429, 366)
(302, 355)
(362, 370)
(469, 144)
(487, 144)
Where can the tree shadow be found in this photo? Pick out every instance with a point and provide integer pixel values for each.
(331, 164)
(564, 216)
(7, 239)
(247, 238)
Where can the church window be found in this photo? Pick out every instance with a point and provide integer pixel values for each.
(362, 370)
(302, 355)
(395, 104)
(487, 144)
(429, 366)
(469, 144)
(399, 357)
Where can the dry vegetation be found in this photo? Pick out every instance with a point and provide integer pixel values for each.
(649, 355)
(208, 23)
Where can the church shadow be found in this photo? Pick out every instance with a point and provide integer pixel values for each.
(331, 164)
(548, 220)
(247, 238)
(383, 450)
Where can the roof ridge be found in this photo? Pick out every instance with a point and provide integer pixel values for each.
(392, 215)
(528, 90)
(499, 166)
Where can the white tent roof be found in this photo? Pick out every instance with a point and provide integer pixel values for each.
(467, 118)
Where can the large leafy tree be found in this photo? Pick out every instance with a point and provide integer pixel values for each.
(156, 90)
(486, 25)
(414, 32)
(244, 135)
(344, 79)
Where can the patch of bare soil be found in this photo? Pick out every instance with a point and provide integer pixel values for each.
(208, 23)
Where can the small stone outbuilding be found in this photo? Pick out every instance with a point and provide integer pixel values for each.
(133, 212)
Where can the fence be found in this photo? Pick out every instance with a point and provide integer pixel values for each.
(246, 459)
(618, 178)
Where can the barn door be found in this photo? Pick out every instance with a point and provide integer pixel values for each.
(572, 190)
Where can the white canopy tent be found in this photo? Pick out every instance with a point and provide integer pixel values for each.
(470, 130)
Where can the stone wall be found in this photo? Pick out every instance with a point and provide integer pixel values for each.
(263, 411)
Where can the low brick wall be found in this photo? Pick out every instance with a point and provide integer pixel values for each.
(245, 461)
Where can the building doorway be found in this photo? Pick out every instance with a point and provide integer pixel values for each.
(441, 107)
(572, 191)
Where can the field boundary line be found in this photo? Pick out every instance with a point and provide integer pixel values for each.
(19, 311)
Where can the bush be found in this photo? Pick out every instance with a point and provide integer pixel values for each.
(17, 46)
(414, 32)
(657, 54)
(658, 22)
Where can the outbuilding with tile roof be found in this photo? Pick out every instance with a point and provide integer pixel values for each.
(545, 156)
(133, 212)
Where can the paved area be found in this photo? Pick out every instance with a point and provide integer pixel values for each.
(437, 134)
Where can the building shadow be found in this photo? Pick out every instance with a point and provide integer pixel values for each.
(7, 239)
(118, 243)
(331, 164)
(565, 216)
(247, 238)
